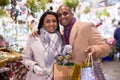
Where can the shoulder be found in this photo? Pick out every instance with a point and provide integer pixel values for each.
(118, 29)
(31, 40)
(84, 24)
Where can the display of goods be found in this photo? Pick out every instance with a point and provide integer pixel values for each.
(3, 59)
(4, 44)
(3, 55)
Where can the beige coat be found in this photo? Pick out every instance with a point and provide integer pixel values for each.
(83, 35)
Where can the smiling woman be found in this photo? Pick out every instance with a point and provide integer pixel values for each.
(41, 51)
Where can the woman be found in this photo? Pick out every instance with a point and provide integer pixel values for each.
(40, 51)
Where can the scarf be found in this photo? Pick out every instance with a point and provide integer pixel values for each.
(68, 30)
(52, 43)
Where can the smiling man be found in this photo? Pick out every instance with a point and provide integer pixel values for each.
(83, 37)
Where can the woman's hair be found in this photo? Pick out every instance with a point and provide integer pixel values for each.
(40, 25)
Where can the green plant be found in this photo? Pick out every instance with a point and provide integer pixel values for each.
(33, 5)
(36, 5)
(87, 10)
(3, 12)
(43, 4)
(103, 13)
(71, 3)
(4, 2)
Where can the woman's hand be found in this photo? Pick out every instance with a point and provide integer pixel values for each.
(41, 71)
(38, 70)
(34, 34)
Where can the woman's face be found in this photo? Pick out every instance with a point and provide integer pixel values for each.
(50, 23)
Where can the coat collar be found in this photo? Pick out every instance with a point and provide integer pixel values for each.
(73, 32)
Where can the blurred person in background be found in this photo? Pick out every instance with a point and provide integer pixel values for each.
(117, 42)
(117, 36)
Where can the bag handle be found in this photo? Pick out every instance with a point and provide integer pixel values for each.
(88, 61)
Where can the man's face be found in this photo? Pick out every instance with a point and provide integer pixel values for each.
(65, 16)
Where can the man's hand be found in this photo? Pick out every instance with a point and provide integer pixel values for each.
(91, 50)
(34, 34)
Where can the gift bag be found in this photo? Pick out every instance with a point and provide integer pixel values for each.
(76, 72)
(98, 71)
(62, 72)
(87, 70)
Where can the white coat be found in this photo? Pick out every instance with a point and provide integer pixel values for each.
(35, 54)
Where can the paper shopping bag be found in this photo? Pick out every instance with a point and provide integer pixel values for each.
(76, 72)
(62, 72)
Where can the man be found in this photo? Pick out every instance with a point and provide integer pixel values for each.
(82, 36)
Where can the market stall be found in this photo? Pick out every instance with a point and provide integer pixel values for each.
(10, 65)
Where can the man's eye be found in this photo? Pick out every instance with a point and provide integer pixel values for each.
(64, 14)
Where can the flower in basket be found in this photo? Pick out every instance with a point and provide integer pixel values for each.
(65, 57)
